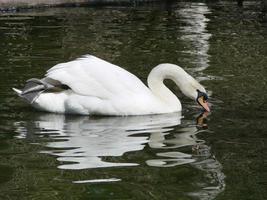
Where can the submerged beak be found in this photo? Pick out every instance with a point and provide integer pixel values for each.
(203, 103)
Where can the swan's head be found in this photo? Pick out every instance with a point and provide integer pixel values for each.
(202, 100)
(189, 86)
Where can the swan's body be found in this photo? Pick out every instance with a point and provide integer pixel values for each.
(93, 86)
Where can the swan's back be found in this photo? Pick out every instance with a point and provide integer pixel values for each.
(92, 76)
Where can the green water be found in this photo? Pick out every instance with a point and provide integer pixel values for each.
(47, 156)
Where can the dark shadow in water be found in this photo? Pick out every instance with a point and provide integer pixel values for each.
(86, 142)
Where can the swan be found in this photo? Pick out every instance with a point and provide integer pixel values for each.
(92, 86)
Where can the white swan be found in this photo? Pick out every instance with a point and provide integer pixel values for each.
(92, 86)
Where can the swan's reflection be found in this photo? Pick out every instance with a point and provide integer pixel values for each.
(83, 142)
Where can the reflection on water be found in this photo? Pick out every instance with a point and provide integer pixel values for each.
(195, 33)
(81, 142)
(208, 164)
(84, 141)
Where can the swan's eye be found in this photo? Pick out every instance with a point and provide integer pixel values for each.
(205, 96)
(202, 94)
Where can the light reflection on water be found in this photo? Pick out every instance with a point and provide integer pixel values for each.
(195, 33)
(81, 142)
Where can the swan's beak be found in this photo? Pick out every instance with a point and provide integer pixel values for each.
(203, 103)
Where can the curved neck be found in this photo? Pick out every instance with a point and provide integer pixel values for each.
(187, 84)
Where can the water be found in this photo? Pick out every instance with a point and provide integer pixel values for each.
(173, 156)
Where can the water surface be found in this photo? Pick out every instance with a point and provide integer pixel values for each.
(175, 156)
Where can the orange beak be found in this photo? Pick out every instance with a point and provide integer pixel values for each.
(203, 103)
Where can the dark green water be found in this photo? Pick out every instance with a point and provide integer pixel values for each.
(46, 156)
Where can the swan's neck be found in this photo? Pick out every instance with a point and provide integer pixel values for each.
(187, 84)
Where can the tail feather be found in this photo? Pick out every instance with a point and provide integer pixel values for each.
(34, 87)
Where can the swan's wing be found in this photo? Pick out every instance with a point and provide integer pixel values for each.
(92, 76)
